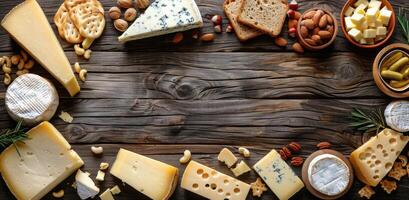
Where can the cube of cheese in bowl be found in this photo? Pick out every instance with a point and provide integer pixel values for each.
(367, 24)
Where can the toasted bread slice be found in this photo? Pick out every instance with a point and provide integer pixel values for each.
(265, 15)
(231, 9)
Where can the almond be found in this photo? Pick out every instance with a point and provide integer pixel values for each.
(317, 39)
(316, 18)
(292, 23)
(308, 23)
(298, 48)
(304, 32)
(310, 42)
(309, 14)
(329, 19)
(330, 28)
(323, 22)
(315, 30)
(280, 41)
(325, 35)
(177, 38)
(297, 15)
(208, 37)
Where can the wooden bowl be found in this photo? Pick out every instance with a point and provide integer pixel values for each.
(391, 26)
(317, 48)
(376, 72)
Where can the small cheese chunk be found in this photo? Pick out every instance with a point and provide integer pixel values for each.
(278, 175)
(384, 16)
(378, 22)
(349, 24)
(115, 190)
(381, 30)
(373, 160)
(227, 157)
(355, 34)
(100, 176)
(212, 184)
(155, 179)
(375, 4)
(357, 18)
(369, 33)
(363, 26)
(379, 38)
(367, 41)
(240, 169)
(349, 11)
(106, 195)
(86, 188)
(41, 162)
(371, 15)
(360, 9)
(361, 2)
(103, 166)
(66, 117)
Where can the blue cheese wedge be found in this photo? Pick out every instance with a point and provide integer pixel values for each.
(163, 17)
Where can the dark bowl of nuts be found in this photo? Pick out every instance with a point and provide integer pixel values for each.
(316, 29)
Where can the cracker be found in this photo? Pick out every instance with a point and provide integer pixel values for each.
(59, 17)
(65, 26)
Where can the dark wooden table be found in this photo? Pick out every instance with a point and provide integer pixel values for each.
(158, 99)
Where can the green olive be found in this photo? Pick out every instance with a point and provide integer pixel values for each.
(391, 75)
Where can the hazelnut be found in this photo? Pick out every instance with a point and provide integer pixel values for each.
(142, 4)
(114, 13)
(121, 25)
(130, 14)
(124, 3)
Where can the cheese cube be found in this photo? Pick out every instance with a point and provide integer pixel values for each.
(360, 9)
(373, 160)
(381, 30)
(279, 177)
(372, 25)
(384, 8)
(363, 26)
(371, 14)
(349, 24)
(361, 2)
(375, 4)
(349, 11)
(355, 34)
(357, 18)
(384, 16)
(100, 176)
(40, 164)
(379, 38)
(227, 157)
(378, 22)
(240, 169)
(369, 33)
(363, 41)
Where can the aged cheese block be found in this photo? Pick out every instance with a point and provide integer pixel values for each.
(28, 25)
(155, 179)
(279, 177)
(41, 163)
(373, 160)
(212, 184)
(32, 99)
(396, 115)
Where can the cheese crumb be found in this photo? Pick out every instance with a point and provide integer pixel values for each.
(66, 117)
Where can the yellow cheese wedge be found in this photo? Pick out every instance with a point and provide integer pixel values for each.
(373, 160)
(28, 25)
(46, 160)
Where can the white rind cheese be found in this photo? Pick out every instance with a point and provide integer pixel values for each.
(163, 17)
(396, 115)
(328, 174)
(86, 188)
(32, 99)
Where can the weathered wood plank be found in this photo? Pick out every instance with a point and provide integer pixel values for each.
(224, 42)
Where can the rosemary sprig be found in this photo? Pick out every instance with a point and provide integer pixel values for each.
(12, 136)
(404, 23)
(367, 121)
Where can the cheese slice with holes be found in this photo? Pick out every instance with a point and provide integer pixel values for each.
(28, 26)
(212, 184)
(46, 160)
(373, 160)
(155, 179)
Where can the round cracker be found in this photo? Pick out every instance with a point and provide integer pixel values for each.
(88, 17)
(59, 17)
(71, 33)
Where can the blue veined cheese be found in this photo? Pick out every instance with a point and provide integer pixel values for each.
(279, 177)
(163, 17)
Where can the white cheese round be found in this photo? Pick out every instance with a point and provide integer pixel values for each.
(396, 115)
(32, 99)
(328, 174)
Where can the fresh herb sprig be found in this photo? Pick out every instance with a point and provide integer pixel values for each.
(12, 136)
(368, 121)
(404, 23)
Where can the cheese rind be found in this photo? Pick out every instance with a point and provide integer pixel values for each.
(153, 178)
(373, 160)
(28, 25)
(278, 175)
(46, 160)
(212, 184)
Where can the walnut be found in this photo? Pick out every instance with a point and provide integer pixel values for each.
(397, 172)
(388, 186)
(366, 192)
(258, 187)
(142, 4)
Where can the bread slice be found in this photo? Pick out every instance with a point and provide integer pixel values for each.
(231, 9)
(265, 15)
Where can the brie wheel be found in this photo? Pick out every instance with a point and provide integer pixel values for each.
(396, 116)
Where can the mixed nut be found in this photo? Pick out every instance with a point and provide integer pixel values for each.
(129, 15)
(317, 27)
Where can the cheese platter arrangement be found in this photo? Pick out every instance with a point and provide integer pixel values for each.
(51, 153)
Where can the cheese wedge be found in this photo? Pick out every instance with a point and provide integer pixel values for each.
(163, 17)
(45, 160)
(28, 25)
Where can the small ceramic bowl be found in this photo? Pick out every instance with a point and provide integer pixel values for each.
(391, 26)
(376, 71)
(323, 46)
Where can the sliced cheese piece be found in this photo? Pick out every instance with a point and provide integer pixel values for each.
(163, 17)
(86, 188)
(227, 157)
(106, 195)
(373, 160)
(41, 163)
(369, 33)
(355, 34)
(349, 11)
(240, 169)
(212, 184)
(155, 179)
(278, 175)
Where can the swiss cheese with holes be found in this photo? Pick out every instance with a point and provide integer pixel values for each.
(212, 184)
(373, 160)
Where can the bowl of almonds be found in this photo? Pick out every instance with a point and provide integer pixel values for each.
(316, 29)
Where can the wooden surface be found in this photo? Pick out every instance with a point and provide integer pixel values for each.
(158, 99)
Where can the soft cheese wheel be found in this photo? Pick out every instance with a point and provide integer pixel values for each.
(396, 115)
(32, 99)
(328, 174)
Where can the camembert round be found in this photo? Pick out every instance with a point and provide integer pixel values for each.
(396, 115)
(32, 99)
